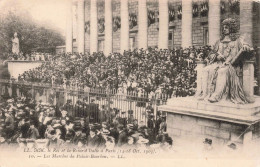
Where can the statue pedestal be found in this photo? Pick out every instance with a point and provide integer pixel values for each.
(223, 122)
(248, 78)
(16, 67)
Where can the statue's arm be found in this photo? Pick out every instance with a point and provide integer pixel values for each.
(215, 55)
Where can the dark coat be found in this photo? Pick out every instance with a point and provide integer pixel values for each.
(33, 133)
(24, 129)
(122, 138)
(81, 138)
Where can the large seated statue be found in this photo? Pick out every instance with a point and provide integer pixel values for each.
(219, 78)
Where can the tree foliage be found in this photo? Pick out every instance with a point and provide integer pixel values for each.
(30, 34)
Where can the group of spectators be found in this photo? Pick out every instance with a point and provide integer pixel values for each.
(171, 72)
(29, 124)
(34, 56)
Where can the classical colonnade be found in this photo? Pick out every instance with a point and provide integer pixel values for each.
(186, 33)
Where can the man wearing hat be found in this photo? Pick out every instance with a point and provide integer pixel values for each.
(64, 115)
(85, 126)
(100, 140)
(93, 110)
(130, 129)
(48, 129)
(135, 125)
(33, 132)
(130, 117)
(54, 137)
(113, 132)
(63, 129)
(9, 124)
(25, 126)
(163, 125)
(69, 108)
(122, 138)
(150, 122)
(92, 138)
(79, 136)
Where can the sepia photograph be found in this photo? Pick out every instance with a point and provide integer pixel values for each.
(117, 81)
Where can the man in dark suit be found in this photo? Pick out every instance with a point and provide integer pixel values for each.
(101, 142)
(150, 122)
(122, 138)
(92, 140)
(9, 124)
(114, 132)
(69, 108)
(25, 127)
(79, 136)
(93, 110)
(33, 132)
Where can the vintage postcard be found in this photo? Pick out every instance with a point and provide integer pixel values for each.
(129, 82)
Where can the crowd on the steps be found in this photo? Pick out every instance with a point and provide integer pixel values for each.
(171, 72)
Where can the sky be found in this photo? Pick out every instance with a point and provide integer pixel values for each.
(50, 13)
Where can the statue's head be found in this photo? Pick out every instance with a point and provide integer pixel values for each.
(15, 34)
(229, 27)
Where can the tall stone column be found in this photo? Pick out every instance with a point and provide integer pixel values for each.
(108, 28)
(186, 23)
(93, 27)
(246, 20)
(214, 21)
(142, 24)
(124, 34)
(69, 27)
(163, 24)
(81, 26)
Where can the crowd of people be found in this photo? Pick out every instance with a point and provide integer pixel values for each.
(166, 71)
(34, 56)
(29, 123)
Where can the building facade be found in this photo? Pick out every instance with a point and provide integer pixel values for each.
(117, 25)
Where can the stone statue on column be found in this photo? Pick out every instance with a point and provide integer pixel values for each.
(219, 79)
(15, 44)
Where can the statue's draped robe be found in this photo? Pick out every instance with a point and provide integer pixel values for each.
(222, 82)
(15, 46)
